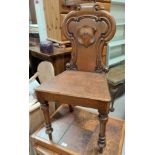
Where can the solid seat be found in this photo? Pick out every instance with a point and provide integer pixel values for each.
(82, 85)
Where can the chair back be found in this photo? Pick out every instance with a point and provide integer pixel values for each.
(89, 29)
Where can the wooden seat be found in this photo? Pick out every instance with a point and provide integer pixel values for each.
(84, 83)
(83, 86)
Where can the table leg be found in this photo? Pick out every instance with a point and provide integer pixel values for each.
(45, 109)
(103, 118)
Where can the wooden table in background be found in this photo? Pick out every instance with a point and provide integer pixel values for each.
(58, 58)
(77, 133)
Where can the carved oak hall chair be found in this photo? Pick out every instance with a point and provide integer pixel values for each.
(84, 82)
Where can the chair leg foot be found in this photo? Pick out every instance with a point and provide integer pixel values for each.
(50, 136)
(101, 144)
(100, 150)
(102, 138)
(71, 108)
(112, 109)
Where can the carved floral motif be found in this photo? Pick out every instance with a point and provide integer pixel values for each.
(86, 36)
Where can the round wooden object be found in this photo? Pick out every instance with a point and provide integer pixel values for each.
(45, 71)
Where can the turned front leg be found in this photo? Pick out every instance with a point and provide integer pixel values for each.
(45, 109)
(103, 118)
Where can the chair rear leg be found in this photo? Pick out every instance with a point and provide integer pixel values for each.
(70, 108)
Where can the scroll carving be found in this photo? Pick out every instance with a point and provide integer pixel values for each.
(88, 29)
(71, 66)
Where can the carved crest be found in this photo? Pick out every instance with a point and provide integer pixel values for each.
(86, 36)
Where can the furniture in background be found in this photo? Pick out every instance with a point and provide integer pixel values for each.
(115, 57)
(58, 58)
(34, 35)
(32, 12)
(84, 83)
(116, 82)
(50, 14)
(36, 119)
(116, 47)
(55, 12)
(44, 72)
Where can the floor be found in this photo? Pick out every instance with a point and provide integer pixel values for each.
(119, 112)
